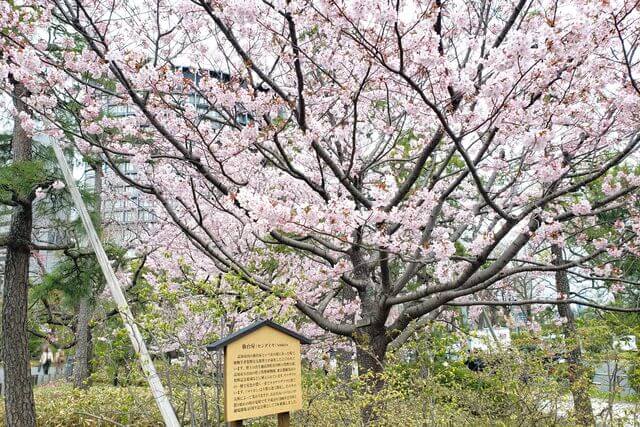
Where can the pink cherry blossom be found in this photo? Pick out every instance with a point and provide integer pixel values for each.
(310, 157)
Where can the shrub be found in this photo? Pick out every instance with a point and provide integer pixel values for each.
(514, 388)
(59, 404)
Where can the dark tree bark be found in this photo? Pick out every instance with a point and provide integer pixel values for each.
(344, 356)
(81, 369)
(371, 347)
(19, 403)
(84, 345)
(579, 378)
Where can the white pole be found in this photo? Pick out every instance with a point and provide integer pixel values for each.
(168, 415)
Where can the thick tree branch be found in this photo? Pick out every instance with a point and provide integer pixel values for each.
(545, 302)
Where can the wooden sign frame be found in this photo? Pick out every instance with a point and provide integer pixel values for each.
(262, 372)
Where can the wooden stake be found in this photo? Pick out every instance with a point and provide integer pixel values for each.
(284, 420)
(137, 341)
(237, 423)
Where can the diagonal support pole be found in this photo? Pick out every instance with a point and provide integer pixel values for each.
(168, 414)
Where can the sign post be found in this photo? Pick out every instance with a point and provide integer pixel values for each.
(262, 372)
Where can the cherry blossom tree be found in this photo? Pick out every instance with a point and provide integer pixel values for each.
(369, 163)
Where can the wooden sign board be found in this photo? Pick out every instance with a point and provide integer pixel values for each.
(262, 371)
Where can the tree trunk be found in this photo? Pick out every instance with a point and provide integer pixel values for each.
(83, 344)
(579, 378)
(344, 364)
(371, 348)
(19, 403)
(344, 356)
(81, 367)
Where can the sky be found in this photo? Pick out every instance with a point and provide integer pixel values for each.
(6, 123)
